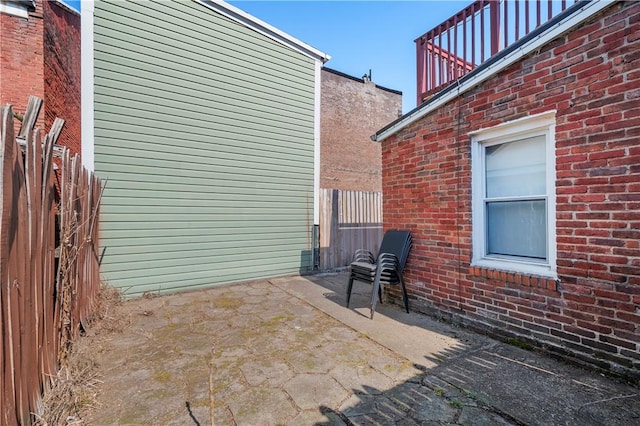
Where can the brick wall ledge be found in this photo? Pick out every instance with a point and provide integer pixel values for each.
(525, 280)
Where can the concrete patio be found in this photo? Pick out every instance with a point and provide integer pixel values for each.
(287, 351)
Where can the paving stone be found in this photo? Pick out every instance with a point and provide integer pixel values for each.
(265, 370)
(272, 309)
(212, 327)
(256, 407)
(408, 395)
(442, 388)
(357, 352)
(375, 409)
(472, 416)
(619, 410)
(226, 353)
(128, 341)
(315, 390)
(316, 417)
(342, 334)
(435, 409)
(301, 311)
(195, 414)
(227, 383)
(254, 300)
(378, 419)
(247, 309)
(261, 290)
(394, 366)
(408, 421)
(192, 343)
(361, 379)
(277, 294)
(305, 362)
(358, 405)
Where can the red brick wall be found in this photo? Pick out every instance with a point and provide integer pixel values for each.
(351, 111)
(62, 72)
(21, 60)
(591, 76)
(40, 55)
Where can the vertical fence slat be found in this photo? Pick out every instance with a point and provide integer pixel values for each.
(18, 278)
(47, 238)
(8, 394)
(32, 332)
(349, 220)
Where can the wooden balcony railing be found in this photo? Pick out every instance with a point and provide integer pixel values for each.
(471, 36)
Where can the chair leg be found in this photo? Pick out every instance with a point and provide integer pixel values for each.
(375, 292)
(405, 297)
(349, 288)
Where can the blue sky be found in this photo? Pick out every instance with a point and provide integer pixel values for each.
(359, 35)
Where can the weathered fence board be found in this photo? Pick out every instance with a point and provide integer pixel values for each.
(349, 220)
(41, 311)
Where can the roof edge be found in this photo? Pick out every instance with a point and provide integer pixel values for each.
(534, 40)
(262, 27)
(65, 6)
(350, 77)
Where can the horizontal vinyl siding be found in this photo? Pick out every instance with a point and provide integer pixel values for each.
(204, 133)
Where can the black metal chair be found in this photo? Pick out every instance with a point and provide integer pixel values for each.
(386, 269)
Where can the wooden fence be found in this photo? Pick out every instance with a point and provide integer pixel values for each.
(349, 220)
(44, 297)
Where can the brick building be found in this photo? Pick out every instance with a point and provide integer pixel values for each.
(521, 186)
(351, 110)
(40, 55)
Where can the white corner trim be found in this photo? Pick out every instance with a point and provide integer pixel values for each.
(263, 28)
(589, 9)
(316, 143)
(87, 76)
(14, 9)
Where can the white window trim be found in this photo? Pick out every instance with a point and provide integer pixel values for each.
(21, 10)
(534, 125)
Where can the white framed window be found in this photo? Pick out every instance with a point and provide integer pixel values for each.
(513, 196)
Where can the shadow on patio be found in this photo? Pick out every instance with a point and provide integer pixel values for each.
(465, 378)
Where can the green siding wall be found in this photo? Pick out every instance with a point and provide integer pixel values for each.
(204, 133)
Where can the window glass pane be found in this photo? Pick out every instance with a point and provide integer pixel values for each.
(517, 228)
(516, 168)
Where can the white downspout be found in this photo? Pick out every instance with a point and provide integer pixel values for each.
(316, 144)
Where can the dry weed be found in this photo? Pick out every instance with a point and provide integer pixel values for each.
(72, 392)
(106, 318)
(74, 389)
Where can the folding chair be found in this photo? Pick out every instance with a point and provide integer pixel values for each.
(385, 269)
